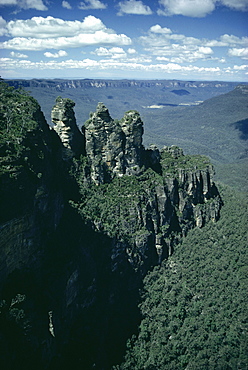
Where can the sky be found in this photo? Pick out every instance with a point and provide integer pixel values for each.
(131, 39)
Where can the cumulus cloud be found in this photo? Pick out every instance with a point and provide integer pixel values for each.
(181, 54)
(158, 29)
(66, 5)
(54, 27)
(233, 40)
(131, 51)
(55, 33)
(197, 8)
(89, 64)
(99, 37)
(163, 43)
(134, 7)
(241, 68)
(25, 4)
(158, 38)
(18, 55)
(235, 52)
(114, 52)
(190, 8)
(92, 4)
(60, 53)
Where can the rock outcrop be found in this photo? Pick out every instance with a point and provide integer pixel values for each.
(64, 123)
(113, 147)
(154, 196)
(70, 276)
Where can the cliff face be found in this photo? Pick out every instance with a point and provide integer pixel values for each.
(144, 198)
(70, 276)
(64, 123)
(113, 148)
(95, 83)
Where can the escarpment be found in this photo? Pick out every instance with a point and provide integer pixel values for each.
(84, 216)
(146, 199)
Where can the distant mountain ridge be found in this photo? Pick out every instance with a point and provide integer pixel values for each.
(59, 84)
(202, 117)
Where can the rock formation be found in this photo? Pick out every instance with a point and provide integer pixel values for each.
(167, 194)
(113, 148)
(64, 121)
(70, 276)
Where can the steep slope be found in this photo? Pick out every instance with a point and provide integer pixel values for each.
(194, 307)
(84, 217)
(141, 196)
(217, 128)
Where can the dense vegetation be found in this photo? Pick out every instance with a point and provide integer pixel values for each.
(25, 144)
(194, 305)
(16, 110)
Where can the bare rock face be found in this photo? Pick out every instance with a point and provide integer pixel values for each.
(132, 126)
(113, 147)
(104, 145)
(64, 121)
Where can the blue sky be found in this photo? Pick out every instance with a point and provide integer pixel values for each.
(148, 39)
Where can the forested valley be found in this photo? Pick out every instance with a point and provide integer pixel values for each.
(116, 256)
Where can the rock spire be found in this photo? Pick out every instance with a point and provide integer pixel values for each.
(113, 147)
(64, 121)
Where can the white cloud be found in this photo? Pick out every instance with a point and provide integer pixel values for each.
(8, 63)
(60, 53)
(54, 27)
(236, 4)
(66, 5)
(25, 4)
(18, 55)
(114, 52)
(56, 33)
(235, 52)
(163, 59)
(101, 51)
(131, 51)
(227, 40)
(189, 8)
(106, 52)
(233, 40)
(205, 50)
(134, 7)
(182, 54)
(92, 4)
(138, 65)
(178, 48)
(158, 29)
(99, 37)
(222, 60)
(198, 8)
(241, 68)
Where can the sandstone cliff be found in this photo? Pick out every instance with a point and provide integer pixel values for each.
(112, 147)
(64, 123)
(146, 199)
(69, 273)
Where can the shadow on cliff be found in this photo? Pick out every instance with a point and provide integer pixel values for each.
(73, 310)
